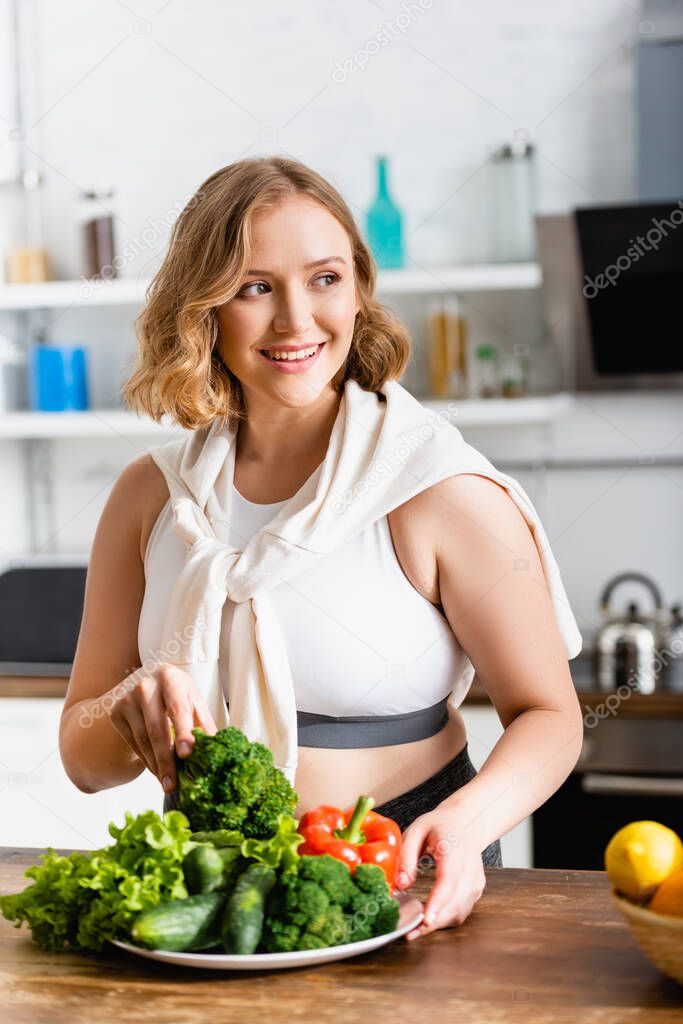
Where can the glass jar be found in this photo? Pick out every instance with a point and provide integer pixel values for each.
(97, 230)
(513, 378)
(447, 337)
(512, 174)
(27, 257)
(485, 382)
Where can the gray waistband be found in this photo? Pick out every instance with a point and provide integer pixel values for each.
(348, 732)
(370, 730)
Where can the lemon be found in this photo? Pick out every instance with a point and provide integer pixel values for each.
(640, 856)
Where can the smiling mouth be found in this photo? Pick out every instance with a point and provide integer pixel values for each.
(282, 355)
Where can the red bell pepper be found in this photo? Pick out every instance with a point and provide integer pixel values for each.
(356, 836)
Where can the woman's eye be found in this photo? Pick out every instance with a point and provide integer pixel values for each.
(262, 284)
(254, 284)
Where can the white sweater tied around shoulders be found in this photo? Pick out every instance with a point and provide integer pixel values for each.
(384, 448)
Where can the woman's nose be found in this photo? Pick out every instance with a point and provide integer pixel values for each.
(293, 313)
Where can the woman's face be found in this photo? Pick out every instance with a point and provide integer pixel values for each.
(287, 306)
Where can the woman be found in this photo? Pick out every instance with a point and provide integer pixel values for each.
(261, 327)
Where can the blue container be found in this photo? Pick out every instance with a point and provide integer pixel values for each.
(57, 378)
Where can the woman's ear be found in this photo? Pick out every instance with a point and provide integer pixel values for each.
(359, 305)
(217, 358)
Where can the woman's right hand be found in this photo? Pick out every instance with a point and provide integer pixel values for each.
(143, 708)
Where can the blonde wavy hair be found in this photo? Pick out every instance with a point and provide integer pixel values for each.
(178, 370)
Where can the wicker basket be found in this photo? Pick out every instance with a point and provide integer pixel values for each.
(660, 936)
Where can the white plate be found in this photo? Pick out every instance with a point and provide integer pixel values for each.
(410, 915)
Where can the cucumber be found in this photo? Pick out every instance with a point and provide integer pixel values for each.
(243, 917)
(203, 869)
(181, 925)
(207, 869)
(233, 864)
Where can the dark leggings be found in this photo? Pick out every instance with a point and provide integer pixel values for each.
(404, 809)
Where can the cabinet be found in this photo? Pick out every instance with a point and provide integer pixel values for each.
(39, 805)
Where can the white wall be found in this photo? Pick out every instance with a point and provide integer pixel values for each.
(155, 103)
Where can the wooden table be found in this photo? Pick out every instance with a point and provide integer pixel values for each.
(540, 947)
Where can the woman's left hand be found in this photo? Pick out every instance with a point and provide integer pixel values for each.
(460, 877)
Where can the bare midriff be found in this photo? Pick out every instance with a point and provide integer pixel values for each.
(338, 777)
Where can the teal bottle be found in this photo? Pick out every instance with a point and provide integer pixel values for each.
(384, 223)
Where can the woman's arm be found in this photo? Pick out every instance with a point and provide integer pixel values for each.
(493, 592)
(95, 756)
(120, 717)
(495, 597)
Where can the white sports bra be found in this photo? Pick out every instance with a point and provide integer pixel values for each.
(373, 661)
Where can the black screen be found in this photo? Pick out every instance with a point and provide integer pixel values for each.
(40, 613)
(633, 286)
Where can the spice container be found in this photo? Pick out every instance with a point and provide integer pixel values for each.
(447, 340)
(27, 261)
(97, 228)
(513, 383)
(485, 376)
(28, 264)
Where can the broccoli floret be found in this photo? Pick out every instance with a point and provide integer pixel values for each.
(301, 915)
(371, 910)
(333, 876)
(323, 904)
(230, 782)
(276, 797)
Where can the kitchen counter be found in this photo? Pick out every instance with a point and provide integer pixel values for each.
(540, 947)
(33, 686)
(606, 705)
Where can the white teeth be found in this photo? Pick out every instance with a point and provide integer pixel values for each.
(303, 353)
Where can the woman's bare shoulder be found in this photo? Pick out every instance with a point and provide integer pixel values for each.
(438, 516)
(463, 493)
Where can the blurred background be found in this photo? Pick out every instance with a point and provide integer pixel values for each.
(518, 174)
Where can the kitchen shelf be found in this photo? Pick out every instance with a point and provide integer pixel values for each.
(410, 281)
(107, 422)
(494, 412)
(63, 294)
(90, 423)
(476, 277)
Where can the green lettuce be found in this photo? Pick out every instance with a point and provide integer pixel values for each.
(280, 850)
(85, 899)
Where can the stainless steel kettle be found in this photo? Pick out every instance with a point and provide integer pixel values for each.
(627, 648)
(672, 652)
